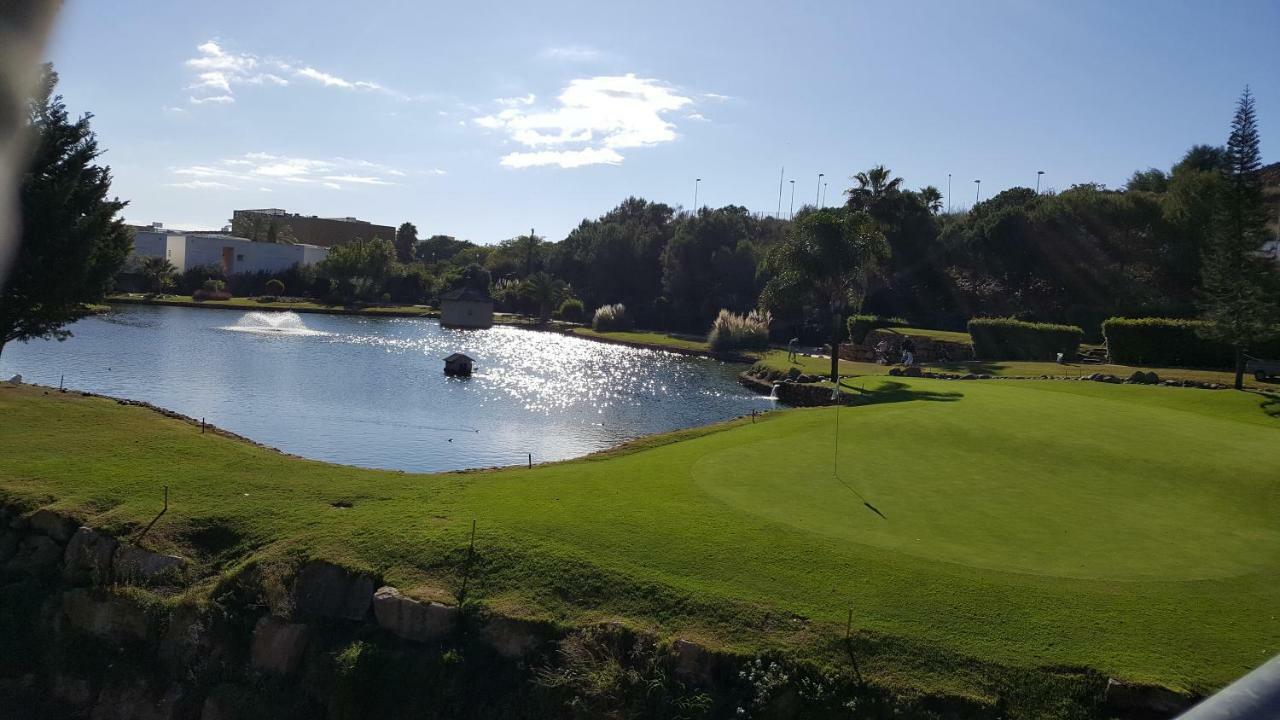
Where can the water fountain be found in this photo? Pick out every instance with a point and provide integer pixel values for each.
(277, 323)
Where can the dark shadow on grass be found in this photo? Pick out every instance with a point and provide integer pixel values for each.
(871, 390)
(977, 367)
(1271, 405)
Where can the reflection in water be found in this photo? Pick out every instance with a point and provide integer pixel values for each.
(372, 392)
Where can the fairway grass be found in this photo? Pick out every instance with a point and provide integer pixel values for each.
(1128, 529)
(644, 338)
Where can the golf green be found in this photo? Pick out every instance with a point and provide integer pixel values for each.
(1022, 477)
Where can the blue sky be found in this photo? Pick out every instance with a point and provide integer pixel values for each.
(482, 120)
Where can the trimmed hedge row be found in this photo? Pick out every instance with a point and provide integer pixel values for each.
(1009, 339)
(859, 326)
(1169, 342)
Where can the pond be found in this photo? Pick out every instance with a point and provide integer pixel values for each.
(372, 392)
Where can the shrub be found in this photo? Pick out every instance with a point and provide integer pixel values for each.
(571, 310)
(611, 317)
(740, 332)
(212, 289)
(1169, 342)
(1009, 339)
(860, 326)
(275, 287)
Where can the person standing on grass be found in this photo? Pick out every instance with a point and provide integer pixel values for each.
(882, 352)
(791, 349)
(908, 352)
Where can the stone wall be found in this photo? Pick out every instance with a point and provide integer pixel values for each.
(97, 626)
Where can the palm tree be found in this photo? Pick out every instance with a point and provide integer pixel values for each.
(932, 198)
(158, 271)
(873, 185)
(827, 259)
(545, 290)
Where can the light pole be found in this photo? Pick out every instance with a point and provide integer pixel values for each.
(793, 200)
(695, 195)
(1038, 174)
(824, 193)
(817, 191)
(977, 192)
(948, 193)
(781, 173)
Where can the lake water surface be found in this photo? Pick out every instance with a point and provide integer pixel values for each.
(372, 392)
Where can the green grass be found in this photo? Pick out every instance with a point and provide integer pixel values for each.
(647, 338)
(777, 359)
(251, 303)
(1128, 529)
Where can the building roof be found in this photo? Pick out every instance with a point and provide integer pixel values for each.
(467, 294)
(458, 357)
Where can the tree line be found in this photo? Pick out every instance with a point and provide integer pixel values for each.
(1180, 242)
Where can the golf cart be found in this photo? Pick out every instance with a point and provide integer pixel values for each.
(1261, 369)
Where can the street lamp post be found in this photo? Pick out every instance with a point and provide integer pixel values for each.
(977, 192)
(948, 193)
(695, 195)
(817, 191)
(793, 201)
(824, 193)
(1038, 174)
(781, 174)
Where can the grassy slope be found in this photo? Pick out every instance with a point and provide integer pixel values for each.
(822, 366)
(641, 337)
(1130, 529)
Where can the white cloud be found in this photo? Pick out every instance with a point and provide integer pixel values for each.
(333, 186)
(517, 101)
(217, 72)
(717, 97)
(358, 179)
(259, 170)
(437, 171)
(697, 116)
(201, 185)
(596, 117)
(562, 158)
(171, 110)
(571, 53)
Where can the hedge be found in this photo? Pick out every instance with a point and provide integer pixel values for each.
(1169, 342)
(1009, 339)
(860, 326)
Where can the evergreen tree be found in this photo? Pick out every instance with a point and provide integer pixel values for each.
(72, 242)
(1237, 284)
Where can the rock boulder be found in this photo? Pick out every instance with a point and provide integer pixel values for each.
(411, 619)
(56, 526)
(323, 590)
(35, 555)
(88, 557)
(110, 617)
(278, 646)
(142, 567)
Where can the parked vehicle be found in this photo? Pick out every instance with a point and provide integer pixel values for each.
(1262, 369)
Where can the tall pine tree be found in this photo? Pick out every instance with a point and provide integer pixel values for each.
(1238, 285)
(72, 243)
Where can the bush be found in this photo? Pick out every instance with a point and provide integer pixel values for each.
(571, 310)
(1009, 339)
(860, 326)
(739, 332)
(1169, 342)
(274, 287)
(611, 318)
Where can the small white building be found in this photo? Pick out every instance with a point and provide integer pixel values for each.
(231, 254)
(466, 308)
